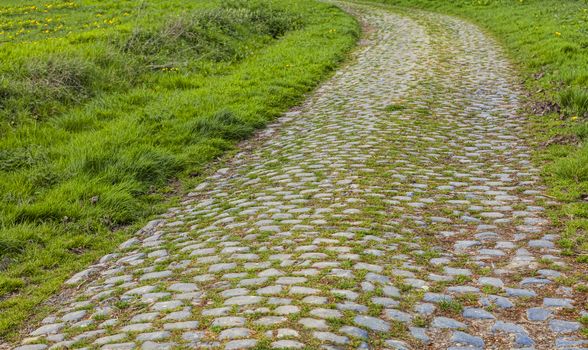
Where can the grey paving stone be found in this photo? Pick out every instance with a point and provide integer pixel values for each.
(372, 323)
(354, 332)
(181, 325)
(229, 321)
(508, 327)
(445, 322)
(561, 326)
(119, 346)
(270, 320)
(538, 314)
(419, 334)
(110, 339)
(477, 314)
(325, 313)
(234, 333)
(397, 315)
(240, 344)
(424, 308)
(47, 329)
(491, 281)
(31, 347)
(558, 302)
(467, 339)
(287, 344)
(150, 345)
(153, 336)
(330, 337)
(313, 323)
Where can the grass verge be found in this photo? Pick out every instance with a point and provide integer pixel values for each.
(107, 104)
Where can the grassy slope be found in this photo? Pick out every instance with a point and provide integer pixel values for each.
(549, 42)
(103, 119)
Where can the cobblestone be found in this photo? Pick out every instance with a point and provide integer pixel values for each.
(400, 192)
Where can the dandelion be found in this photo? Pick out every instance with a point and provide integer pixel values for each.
(557, 34)
(574, 118)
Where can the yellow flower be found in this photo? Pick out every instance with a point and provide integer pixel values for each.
(557, 34)
(575, 117)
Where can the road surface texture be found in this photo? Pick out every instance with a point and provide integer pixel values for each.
(398, 208)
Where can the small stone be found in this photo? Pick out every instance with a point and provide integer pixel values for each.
(183, 287)
(313, 323)
(303, 290)
(119, 346)
(330, 337)
(287, 344)
(181, 325)
(558, 302)
(397, 315)
(526, 293)
(153, 336)
(151, 345)
(240, 344)
(477, 314)
(287, 310)
(31, 347)
(501, 326)
(270, 320)
(436, 298)
(47, 329)
(523, 340)
(491, 281)
(136, 327)
(73, 316)
(110, 339)
(534, 280)
(419, 334)
(538, 314)
(424, 308)
(325, 313)
(372, 323)
(287, 332)
(396, 344)
(234, 333)
(166, 305)
(445, 322)
(155, 275)
(561, 326)
(456, 271)
(541, 244)
(230, 321)
(499, 301)
(354, 332)
(467, 339)
(244, 300)
(193, 336)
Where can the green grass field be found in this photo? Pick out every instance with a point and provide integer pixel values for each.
(548, 41)
(110, 109)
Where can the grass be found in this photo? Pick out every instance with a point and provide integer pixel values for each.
(110, 108)
(548, 44)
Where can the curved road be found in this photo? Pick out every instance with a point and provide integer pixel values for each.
(398, 208)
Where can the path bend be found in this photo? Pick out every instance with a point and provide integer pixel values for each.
(398, 208)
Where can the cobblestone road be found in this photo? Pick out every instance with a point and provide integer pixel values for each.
(398, 208)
